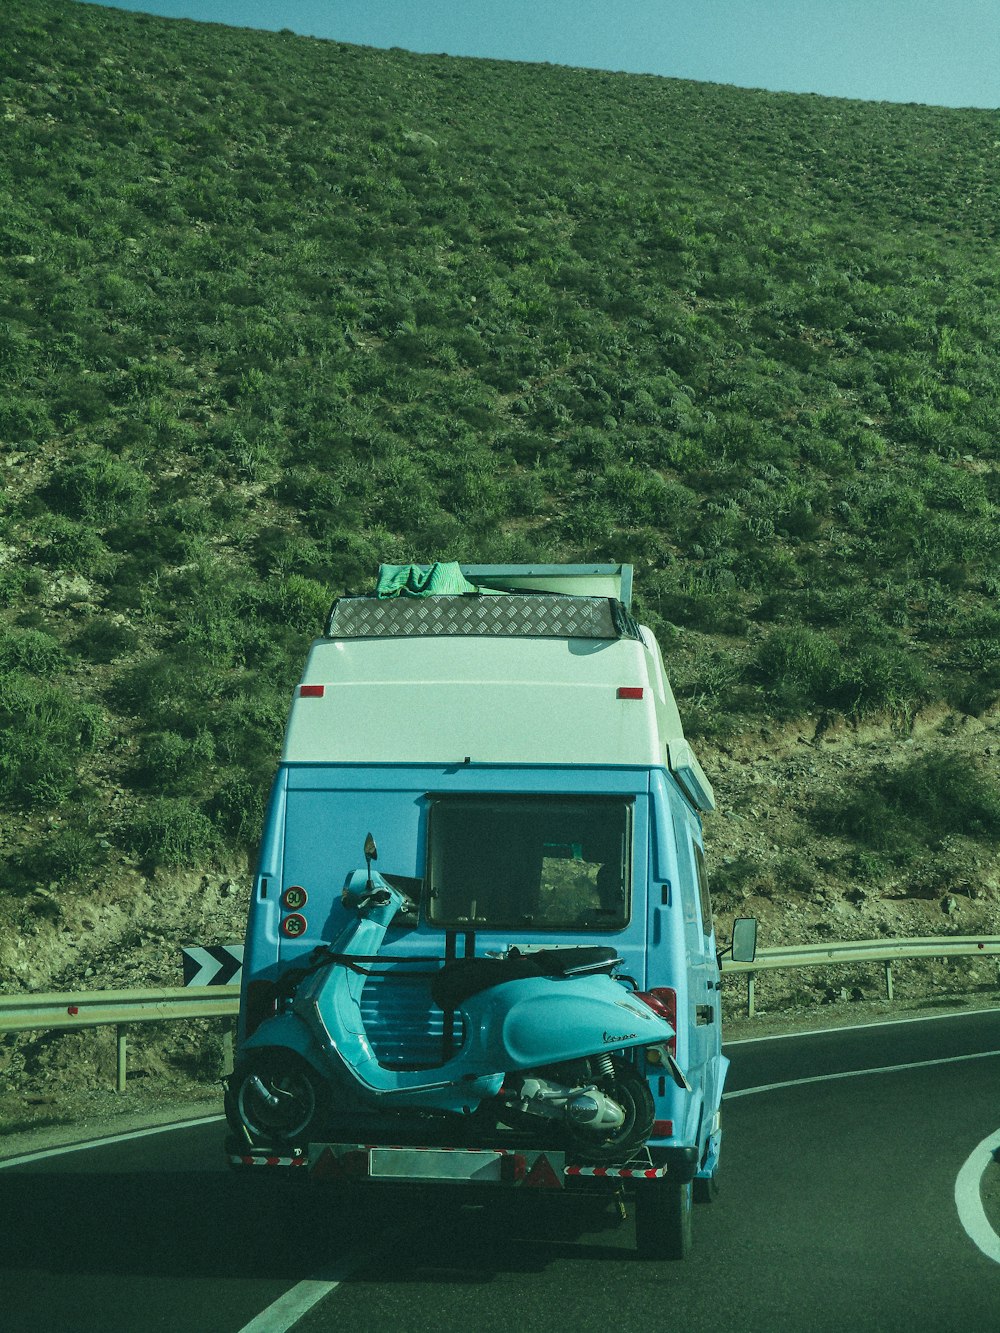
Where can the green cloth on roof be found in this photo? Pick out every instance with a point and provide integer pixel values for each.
(443, 578)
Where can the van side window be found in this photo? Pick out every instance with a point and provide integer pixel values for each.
(706, 902)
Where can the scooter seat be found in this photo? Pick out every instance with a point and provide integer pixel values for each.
(468, 976)
(575, 960)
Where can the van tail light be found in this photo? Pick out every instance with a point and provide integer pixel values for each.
(663, 1001)
(261, 1003)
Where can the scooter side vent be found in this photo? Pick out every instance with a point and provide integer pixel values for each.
(405, 1027)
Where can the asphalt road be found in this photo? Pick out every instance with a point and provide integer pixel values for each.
(837, 1213)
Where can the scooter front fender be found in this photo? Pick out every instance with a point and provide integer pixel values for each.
(289, 1033)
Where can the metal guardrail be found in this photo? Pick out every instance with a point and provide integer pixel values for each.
(885, 951)
(88, 1009)
(102, 1008)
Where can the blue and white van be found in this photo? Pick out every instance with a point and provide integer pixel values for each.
(525, 730)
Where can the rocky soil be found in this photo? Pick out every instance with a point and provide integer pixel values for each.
(804, 886)
(767, 858)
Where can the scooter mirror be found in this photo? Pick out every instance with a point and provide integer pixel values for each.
(371, 851)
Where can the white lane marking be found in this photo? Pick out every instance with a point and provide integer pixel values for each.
(102, 1143)
(969, 1202)
(857, 1073)
(288, 1309)
(861, 1027)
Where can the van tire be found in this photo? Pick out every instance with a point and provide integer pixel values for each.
(304, 1099)
(663, 1219)
(706, 1188)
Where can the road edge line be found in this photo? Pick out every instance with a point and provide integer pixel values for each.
(42, 1153)
(968, 1199)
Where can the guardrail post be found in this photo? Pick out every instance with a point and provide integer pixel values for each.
(888, 979)
(750, 996)
(121, 1073)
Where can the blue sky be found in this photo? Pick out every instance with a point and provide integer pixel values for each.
(945, 52)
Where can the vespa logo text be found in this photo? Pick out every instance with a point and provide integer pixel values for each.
(611, 1039)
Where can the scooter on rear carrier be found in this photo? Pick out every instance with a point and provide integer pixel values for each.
(545, 1042)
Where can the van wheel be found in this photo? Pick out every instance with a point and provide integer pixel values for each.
(274, 1096)
(663, 1220)
(706, 1188)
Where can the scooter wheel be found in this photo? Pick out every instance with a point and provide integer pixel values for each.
(631, 1091)
(275, 1097)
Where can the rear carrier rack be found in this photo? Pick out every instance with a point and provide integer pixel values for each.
(530, 1168)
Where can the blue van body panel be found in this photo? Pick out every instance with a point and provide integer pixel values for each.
(317, 820)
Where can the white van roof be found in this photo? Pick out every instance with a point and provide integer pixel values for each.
(529, 678)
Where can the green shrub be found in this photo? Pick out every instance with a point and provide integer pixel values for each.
(173, 763)
(74, 546)
(877, 677)
(802, 669)
(301, 603)
(237, 809)
(639, 496)
(799, 668)
(44, 733)
(103, 640)
(101, 488)
(30, 651)
(898, 814)
(63, 856)
(172, 832)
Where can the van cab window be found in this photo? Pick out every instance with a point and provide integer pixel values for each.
(529, 862)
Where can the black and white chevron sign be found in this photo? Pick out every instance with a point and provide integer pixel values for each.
(217, 965)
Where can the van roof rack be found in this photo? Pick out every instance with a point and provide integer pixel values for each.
(610, 580)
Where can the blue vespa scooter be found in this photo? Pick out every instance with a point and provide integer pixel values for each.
(543, 1040)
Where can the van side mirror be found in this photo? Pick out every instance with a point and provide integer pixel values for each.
(744, 946)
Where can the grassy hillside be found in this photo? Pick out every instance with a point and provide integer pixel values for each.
(274, 309)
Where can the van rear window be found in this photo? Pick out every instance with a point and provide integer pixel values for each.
(538, 863)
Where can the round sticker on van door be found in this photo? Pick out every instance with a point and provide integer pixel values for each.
(294, 897)
(294, 925)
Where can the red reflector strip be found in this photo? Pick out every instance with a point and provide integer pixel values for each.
(255, 1159)
(311, 691)
(629, 691)
(618, 1172)
(663, 1129)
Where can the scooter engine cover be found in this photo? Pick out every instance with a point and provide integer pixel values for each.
(545, 1021)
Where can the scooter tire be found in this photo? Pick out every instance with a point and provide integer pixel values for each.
(301, 1096)
(631, 1091)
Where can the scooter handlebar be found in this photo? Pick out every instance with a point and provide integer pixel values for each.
(370, 894)
(377, 898)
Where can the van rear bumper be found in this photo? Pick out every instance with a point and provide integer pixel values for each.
(681, 1162)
